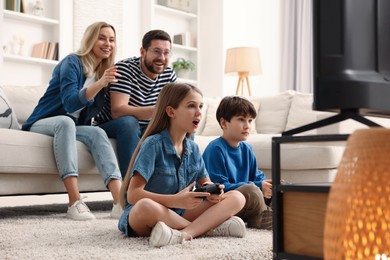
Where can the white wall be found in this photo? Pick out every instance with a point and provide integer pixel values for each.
(254, 23)
(238, 23)
(116, 13)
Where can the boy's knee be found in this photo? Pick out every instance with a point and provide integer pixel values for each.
(250, 191)
(253, 200)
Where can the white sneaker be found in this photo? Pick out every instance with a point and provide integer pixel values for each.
(116, 211)
(163, 235)
(233, 227)
(79, 211)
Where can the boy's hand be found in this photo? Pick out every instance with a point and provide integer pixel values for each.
(266, 187)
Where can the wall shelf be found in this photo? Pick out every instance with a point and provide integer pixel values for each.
(184, 48)
(175, 12)
(30, 60)
(29, 18)
(21, 31)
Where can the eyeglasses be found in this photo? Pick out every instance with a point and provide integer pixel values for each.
(157, 53)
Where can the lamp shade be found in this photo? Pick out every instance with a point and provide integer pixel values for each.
(243, 59)
(357, 221)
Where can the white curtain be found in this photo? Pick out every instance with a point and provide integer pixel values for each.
(297, 65)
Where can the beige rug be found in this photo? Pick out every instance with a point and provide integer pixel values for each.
(43, 232)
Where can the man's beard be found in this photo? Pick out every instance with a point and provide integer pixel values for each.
(149, 66)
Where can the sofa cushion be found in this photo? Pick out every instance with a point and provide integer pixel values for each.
(273, 112)
(8, 118)
(302, 113)
(297, 156)
(24, 99)
(202, 123)
(212, 127)
(37, 152)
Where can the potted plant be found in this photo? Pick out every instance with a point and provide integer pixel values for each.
(182, 67)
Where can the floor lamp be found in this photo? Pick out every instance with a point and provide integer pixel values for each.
(244, 61)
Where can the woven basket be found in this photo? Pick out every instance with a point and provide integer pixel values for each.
(357, 222)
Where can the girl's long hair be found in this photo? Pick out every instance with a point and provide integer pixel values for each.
(171, 95)
(86, 54)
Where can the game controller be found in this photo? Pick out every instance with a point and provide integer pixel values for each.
(210, 188)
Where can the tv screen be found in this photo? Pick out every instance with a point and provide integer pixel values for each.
(351, 43)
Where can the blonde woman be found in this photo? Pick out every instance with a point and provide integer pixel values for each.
(157, 191)
(64, 112)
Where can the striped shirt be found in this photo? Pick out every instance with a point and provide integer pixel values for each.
(142, 90)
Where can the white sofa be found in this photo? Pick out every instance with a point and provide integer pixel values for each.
(27, 164)
(300, 162)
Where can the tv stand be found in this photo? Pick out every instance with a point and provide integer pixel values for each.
(343, 115)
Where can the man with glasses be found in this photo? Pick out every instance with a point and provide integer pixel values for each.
(130, 102)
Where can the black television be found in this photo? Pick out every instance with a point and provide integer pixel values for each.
(351, 60)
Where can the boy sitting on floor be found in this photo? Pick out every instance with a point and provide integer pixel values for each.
(230, 161)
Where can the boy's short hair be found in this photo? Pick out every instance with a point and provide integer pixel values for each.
(235, 106)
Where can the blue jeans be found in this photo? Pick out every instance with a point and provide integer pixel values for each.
(65, 133)
(127, 132)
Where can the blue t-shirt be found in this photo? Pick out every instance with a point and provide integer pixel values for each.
(232, 166)
(164, 170)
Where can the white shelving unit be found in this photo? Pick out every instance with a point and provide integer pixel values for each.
(20, 31)
(164, 15)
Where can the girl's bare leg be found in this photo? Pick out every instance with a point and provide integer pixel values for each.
(195, 222)
(208, 216)
(146, 213)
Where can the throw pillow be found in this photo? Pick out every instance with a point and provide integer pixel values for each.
(24, 99)
(302, 113)
(212, 127)
(7, 115)
(273, 112)
(202, 122)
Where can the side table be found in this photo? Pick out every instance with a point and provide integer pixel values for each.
(298, 209)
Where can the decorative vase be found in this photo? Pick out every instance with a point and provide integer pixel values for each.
(185, 74)
(357, 222)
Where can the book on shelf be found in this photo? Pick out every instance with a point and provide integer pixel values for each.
(51, 52)
(185, 39)
(13, 5)
(40, 50)
(45, 50)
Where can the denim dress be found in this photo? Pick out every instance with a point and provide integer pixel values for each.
(164, 170)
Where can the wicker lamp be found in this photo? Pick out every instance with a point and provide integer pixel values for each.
(357, 222)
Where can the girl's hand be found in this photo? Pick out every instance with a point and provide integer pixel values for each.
(109, 76)
(214, 198)
(187, 199)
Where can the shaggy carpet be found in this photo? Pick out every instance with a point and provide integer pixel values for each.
(43, 232)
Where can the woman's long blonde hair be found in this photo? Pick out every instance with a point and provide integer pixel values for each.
(86, 54)
(171, 95)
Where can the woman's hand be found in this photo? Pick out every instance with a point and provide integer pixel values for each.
(109, 76)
